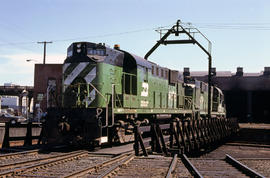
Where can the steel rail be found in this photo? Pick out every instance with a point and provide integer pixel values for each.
(89, 169)
(61, 158)
(16, 164)
(191, 167)
(237, 164)
(172, 166)
(18, 153)
(256, 159)
(114, 167)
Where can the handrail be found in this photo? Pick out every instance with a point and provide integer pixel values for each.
(126, 73)
(107, 119)
(113, 87)
(93, 88)
(105, 99)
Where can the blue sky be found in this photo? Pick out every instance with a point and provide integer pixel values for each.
(238, 29)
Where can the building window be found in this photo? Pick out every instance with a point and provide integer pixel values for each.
(157, 71)
(162, 73)
(153, 70)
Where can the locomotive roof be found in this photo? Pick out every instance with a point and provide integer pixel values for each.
(139, 60)
(117, 61)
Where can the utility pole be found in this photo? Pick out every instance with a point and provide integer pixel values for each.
(44, 54)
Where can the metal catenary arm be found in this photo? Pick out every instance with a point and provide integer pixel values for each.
(179, 29)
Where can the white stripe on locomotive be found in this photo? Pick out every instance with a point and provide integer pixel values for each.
(92, 97)
(88, 78)
(91, 75)
(75, 73)
(65, 66)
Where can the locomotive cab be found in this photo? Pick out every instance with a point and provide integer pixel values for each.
(129, 81)
(218, 101)
(135, 81)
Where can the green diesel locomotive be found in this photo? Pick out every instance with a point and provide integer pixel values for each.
(107, 90)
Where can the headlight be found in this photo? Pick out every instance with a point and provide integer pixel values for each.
(79, 50)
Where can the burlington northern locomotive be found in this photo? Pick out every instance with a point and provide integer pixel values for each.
(107, 90)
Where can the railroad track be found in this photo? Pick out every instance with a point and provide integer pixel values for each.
(85, 164)
(176, 167)
(75, 164)
(18, 167)
(17, 154)
(16, 160)
(128, 165)
(260, 165)
(228, 167)
(105, 168)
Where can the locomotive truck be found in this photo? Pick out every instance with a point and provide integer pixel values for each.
(105, 91)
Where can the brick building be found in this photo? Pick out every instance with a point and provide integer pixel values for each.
(47, 85)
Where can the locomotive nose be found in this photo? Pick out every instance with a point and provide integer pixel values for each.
(78, 82)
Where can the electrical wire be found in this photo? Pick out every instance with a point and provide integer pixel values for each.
(216, 26)
(87, 37)
(234, 26)
(16, 45)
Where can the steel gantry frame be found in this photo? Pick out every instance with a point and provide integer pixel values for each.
(189, 31)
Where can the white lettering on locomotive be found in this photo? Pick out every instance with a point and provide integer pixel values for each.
(144, 103)
(145, 88)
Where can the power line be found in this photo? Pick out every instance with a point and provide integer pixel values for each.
(15, 29)
(92, 36)
(217, 26)
(235, 26)
(254, 28)
(235, 23)
(16, 45)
